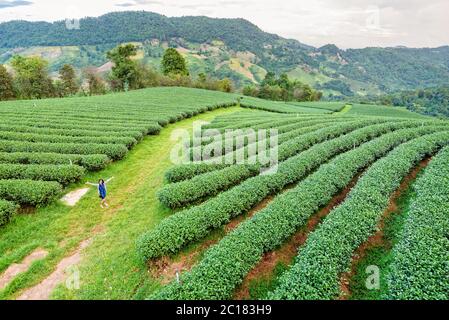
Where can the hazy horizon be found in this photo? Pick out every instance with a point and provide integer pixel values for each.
(345, 23)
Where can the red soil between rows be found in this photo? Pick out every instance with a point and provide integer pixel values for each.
(378, 239)
(286, 253)
(166, 267)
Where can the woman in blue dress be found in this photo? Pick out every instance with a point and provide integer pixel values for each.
(102, 191)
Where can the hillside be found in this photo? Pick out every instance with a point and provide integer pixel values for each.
(164, 217)
(54, 155)
(232, 48)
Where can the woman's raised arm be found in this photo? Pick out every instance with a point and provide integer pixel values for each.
(107, 181)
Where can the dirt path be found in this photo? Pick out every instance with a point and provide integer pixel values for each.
(16, 269)
(65, 268)
(378, 239)
(72, 198)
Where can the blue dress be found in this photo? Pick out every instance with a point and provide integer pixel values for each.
(102, 191)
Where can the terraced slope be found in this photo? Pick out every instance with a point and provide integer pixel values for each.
(47, 144)
(318, 158)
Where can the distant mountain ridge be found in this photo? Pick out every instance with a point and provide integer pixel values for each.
(128, 26)
(229, 47)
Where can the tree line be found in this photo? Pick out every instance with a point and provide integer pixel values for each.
(282, 89)
(30, 78)
(428, 101)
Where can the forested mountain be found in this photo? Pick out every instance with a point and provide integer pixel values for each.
(433, 101)
(238, 34)
(232, 48)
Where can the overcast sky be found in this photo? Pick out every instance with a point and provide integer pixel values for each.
(347, 23)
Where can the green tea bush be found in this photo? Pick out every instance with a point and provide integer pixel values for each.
(193, 224)
(328, 251)
(113, 151)
(64, 174)
(7, 210)
(214, 182)
(138, 135)
(420, 260)
(225, 265)
(188, 171)
(94, 162)
(30, 137)
(187, 192)
(29, 192)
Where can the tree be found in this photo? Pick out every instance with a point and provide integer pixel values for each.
(251, 91)
(283, 89)
(32, 79)
(202, 78)
(284, 82)
(173, 63)
(6, 84)
(125, 69)
(147, 76)
(225, 85)
(68, 84)
(270, 79)
(95, 84)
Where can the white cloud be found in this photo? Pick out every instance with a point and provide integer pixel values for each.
(347, 23)
(13, 3)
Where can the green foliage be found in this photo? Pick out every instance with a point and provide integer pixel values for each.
(329, 249)
(7, 210)
(224, 266)
(124, 72)
(379, 254)
(113, 151)
(123, 27)
(282, 89)
(432, 101)
(57, 140)
(173, 63)
(337, 85)
(6, 85)
(68, 80)
(280, 107)
(89, 162)
(420, 259)
(361, 71)
(31, 137)
(383, 111)
(47, 125)
(29, 192)
(96, 85)
(64, 174)
(396, 68)
(259, 288)
(225, 85)
(214, 178)
(188, 171)
(193, 224)
(209, 184)
(32, 80)
(330, 106)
